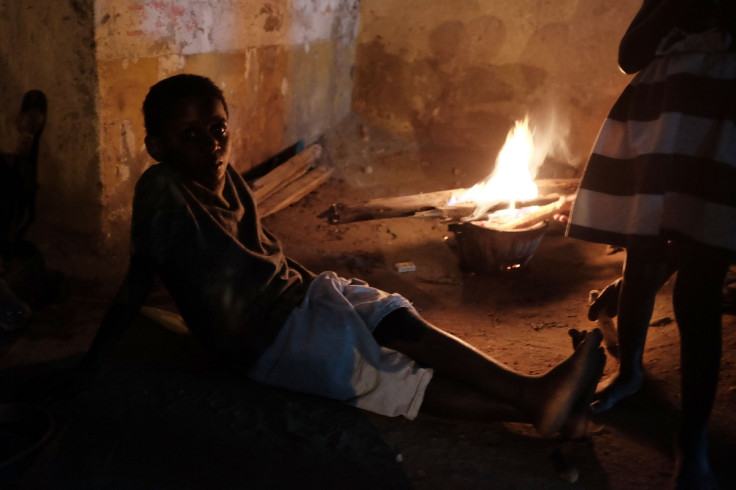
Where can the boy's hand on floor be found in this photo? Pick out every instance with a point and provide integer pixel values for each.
(56, 385)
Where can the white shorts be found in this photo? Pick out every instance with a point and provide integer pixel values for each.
(326, 347)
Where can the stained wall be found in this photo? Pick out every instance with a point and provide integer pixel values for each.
(50, 45)
(460, 73)
(285, 67)
(449, 73)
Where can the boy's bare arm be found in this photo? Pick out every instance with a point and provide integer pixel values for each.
(132, 294)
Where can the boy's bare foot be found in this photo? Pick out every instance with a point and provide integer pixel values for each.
(577, 424)
(567, 383)
(615, 389)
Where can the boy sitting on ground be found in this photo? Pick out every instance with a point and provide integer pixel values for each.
(196, 226)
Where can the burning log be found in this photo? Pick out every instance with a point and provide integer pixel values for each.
(563, 187)
(533, 217)
(430, 205)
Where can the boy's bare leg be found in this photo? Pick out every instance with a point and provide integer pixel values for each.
(577, 424)
(545, 400)
(697, 301)
(447, 398)
(644, 273)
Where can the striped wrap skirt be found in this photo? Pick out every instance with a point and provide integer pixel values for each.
(664, 164)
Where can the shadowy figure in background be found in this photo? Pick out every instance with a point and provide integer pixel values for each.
(19, 171)
(196, 226)
(25, 282)
(661, 182)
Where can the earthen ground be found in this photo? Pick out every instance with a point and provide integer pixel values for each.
(163, 413)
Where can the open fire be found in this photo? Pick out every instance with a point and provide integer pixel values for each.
(498, 222)
(511, 179)
(492, 238)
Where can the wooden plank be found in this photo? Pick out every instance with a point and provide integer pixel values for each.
(534, 217)
(388, 207)
(286, 173)
(563, 187)
(294, 191)
(429, 205)
(432, 204)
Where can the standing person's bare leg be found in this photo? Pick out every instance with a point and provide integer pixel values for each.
(644, 273)
(697, 301)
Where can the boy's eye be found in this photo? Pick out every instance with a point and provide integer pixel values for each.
(219, 130)
(188, 134)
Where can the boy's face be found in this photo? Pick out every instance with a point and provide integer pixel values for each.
(196, 140)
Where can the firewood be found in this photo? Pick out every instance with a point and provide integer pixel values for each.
(427, 205)
(563, 187)
(388, 207)
(286, 173)
(294, 191)
(534, 217)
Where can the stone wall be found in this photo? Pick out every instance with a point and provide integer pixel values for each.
(460, 73)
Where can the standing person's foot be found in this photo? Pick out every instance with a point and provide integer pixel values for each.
(605, 301)
(692, 469)
(615, 389)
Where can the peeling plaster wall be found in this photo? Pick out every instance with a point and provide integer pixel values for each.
(460, 73)
(285, 67)
(49, 45)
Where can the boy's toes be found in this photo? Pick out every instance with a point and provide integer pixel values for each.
(576, 336)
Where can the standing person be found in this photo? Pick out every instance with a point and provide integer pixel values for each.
(661, 182)
(196, 226)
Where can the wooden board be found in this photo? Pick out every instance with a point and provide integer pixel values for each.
(294, 191)
(434, 204)
(286, 173)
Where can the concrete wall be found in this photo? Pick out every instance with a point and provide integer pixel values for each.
(285, 67)
(49, 45)
(460, 73)
(453, 73)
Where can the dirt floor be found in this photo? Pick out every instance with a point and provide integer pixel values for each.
(163, 414)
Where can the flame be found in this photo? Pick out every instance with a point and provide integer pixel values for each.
(511, 179)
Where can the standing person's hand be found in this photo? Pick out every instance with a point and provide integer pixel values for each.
(563, 214)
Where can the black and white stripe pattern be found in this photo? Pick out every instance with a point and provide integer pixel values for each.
(664, 164)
